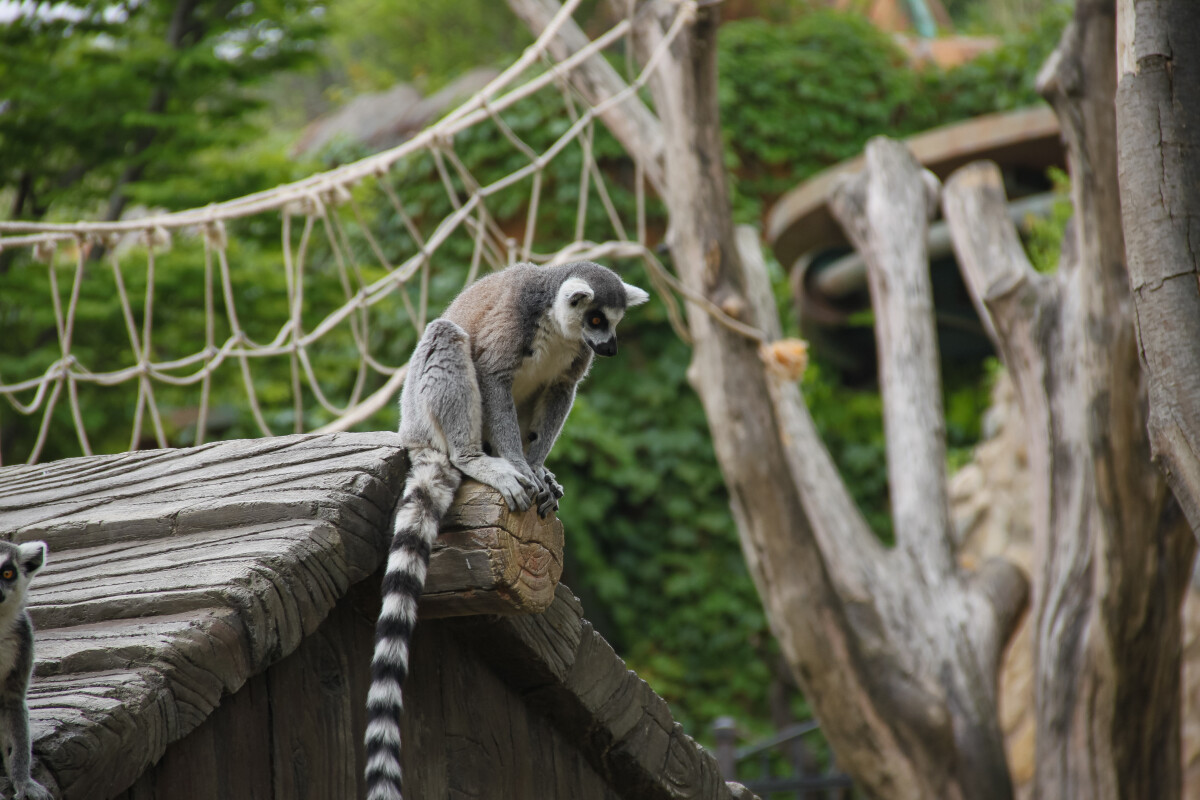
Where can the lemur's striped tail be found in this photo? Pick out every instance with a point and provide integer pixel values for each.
(432, 481)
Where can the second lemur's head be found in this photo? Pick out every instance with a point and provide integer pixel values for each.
(18, 563)
(591, 301)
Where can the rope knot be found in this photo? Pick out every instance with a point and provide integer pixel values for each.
(337, 195)
(44, 250)
(785, 358)
(157, 238)
(308, 205)
(215, 236)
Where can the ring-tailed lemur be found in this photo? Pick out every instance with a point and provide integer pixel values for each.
(487, 391)
(18, 563)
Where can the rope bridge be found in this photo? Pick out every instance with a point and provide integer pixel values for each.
(336, 238)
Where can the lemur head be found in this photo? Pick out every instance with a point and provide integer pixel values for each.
(18, 563)
(590, 303)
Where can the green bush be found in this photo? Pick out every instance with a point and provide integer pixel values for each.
(797, 98)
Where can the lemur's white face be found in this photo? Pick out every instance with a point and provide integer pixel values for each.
(579, 317)
(17, 565)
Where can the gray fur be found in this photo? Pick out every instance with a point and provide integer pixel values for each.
(20, 562)
(488, 389)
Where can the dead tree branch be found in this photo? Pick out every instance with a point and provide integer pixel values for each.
(1158, 130)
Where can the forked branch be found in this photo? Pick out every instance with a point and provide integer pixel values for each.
(885, 209)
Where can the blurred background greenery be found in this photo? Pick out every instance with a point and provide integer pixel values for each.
(124, 105)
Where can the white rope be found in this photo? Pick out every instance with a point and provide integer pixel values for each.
(366, 279)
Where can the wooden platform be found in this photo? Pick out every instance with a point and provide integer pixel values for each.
(801, 222)
(179, 580)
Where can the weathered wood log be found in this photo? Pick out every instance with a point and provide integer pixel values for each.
(965, 621)
(489, 560)
(1112, 550)
(1158, 130)
(175, 575)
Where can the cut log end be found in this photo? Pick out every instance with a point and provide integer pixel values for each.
(490, 560)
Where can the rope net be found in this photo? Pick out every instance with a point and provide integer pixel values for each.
(299, 305)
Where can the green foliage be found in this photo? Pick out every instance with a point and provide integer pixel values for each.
(999, 16)
(376, 44)
(1004, 78)
(100, 98)
(799, 97)
(1044, 243)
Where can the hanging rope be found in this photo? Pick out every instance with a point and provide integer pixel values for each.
(326, 209)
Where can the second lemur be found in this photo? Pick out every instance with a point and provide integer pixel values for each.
(486, 394)
(18, 563)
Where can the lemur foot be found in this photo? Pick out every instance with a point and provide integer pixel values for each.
(548, 481)
(32, 790)
(547, 498)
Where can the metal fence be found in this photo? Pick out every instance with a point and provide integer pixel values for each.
(781, 766)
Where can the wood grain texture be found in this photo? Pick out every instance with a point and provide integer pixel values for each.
(567, 673)
(176, 575)
(1158, 132)
(497, 708)
(1112, 550)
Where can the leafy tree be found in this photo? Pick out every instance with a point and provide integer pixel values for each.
(101, 101)
(798, 97)
(376, 44)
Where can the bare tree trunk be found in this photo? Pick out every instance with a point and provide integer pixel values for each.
(896, 650)
(1158, 127)
(1112, 550)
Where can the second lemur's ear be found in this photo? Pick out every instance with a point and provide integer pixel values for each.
(32, 556)
(634, 296)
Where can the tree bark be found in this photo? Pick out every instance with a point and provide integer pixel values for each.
(1158, 129)
(896, 650)
(1113, 551)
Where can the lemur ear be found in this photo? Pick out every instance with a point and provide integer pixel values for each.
(634, 296)
(32, 556)
(576, 291)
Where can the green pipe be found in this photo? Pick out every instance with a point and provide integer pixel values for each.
(922, 20)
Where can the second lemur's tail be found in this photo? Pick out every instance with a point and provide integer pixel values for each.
(432, 481)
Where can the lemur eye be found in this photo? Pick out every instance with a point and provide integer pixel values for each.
(8, 574)
(597, 320)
